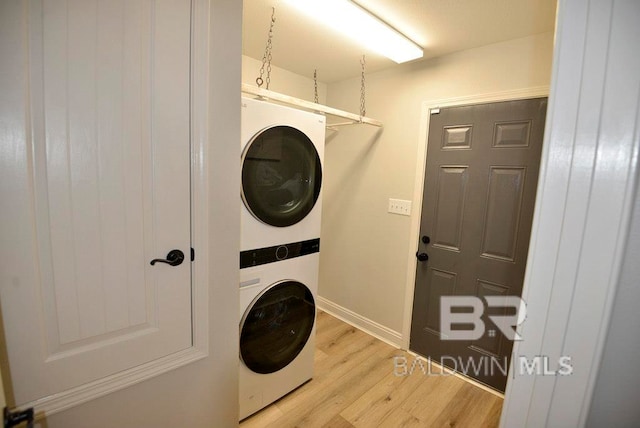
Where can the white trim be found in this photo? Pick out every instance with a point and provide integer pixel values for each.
(200, 232)
(418, 187)
(200, 173)
(376, 330)
(65, 400)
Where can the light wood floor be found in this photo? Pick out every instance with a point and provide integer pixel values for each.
(354, 385)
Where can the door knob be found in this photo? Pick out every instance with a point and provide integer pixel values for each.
(174, 258)
(426, 239)
(423, 257)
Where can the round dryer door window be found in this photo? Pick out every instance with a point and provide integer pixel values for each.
(281, 176)
(276, 327)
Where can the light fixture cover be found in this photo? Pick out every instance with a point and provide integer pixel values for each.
(361, 26)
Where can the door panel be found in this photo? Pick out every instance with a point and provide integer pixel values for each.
(442, 284)
(456, 137)
(479, 194)
(490, 345)
(449, 210)
(512, 134)
(503, 208)
(109, 107)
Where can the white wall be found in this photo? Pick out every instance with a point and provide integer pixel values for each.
(363, 263)
(283, 81)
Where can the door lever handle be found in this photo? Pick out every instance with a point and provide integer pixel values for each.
(174, 258)
(15, 418)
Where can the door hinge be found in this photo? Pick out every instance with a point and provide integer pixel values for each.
(193, 254)
(15, 418)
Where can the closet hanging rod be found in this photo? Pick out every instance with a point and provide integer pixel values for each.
(297, 102)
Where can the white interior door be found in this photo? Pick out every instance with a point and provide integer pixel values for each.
(96, 188)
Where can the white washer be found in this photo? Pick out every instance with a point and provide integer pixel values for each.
(282, 155)
(277, 330)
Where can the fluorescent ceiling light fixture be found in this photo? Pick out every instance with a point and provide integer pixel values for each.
(361, 26)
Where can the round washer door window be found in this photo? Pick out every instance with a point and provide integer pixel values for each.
(281, 176)
(276, 327)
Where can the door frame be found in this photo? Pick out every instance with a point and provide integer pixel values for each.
(418, 187)
(199, 176)
(581, 227)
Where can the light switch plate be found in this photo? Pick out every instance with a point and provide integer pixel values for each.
(399, 206)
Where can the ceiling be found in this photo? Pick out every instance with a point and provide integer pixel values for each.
(301, 45)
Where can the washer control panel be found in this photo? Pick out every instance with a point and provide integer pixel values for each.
(262, 256)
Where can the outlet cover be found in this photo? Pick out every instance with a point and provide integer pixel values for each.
(399, 206)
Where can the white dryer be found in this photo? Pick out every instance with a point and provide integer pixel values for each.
(277, 328)
(282, 156)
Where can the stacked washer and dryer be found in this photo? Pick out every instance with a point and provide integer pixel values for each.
(282, 155)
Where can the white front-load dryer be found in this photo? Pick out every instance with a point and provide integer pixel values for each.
(282, 156)
(277, 327)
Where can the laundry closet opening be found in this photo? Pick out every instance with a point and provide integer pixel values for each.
(372, 177)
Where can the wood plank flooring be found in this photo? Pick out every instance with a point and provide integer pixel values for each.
(354, 385)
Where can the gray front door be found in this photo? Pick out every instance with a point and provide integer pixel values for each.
(479, 195)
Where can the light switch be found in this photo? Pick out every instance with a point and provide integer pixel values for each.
(399, 206)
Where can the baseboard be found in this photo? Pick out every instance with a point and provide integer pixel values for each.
(378, 331)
